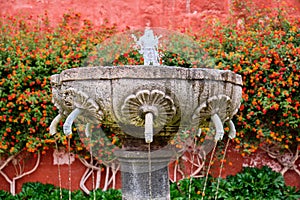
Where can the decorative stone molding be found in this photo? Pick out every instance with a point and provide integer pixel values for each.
(136, 106)
(57, 94)
(70, 100)
(220, 105)
(216, 110)
(73, 98)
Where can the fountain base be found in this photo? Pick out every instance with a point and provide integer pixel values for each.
(145, 175)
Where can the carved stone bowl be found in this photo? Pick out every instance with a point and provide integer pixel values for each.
(121, 96)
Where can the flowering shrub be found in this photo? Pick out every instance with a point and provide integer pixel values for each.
(166, 58)
(264, 47)
(29, 54)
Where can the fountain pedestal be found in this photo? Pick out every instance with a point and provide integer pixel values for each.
(145, 175)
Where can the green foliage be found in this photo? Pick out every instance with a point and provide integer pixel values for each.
(131, 58)
(107, 195)
(29, 191)
(265, 49)
(4, 194)
(251, 183)
(173, 59)
(39, 191)
(166, 58)
(29, 54)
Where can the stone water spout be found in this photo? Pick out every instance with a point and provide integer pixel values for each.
(146, 106)
(149, 127)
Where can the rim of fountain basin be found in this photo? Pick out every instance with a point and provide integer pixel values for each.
(156, 72)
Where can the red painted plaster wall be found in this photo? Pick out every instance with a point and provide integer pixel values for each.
(132, 13)
(160, 13)
(49, 173)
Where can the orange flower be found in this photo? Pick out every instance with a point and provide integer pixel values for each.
(257, 122)
(276, 106)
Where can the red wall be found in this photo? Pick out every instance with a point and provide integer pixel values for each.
(133, 13)
(48, 173)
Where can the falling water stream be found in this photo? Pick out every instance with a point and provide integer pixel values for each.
(221, 168)
(208, 169)
(150, 174)
(148, 139)
(93, 178)
(59, 171)
(69, 167)
(192, 167)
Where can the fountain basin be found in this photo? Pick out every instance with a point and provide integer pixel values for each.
(121, 95)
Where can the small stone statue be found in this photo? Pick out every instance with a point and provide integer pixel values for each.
(148, 44)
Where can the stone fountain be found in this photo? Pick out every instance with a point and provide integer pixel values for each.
(146, 106)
